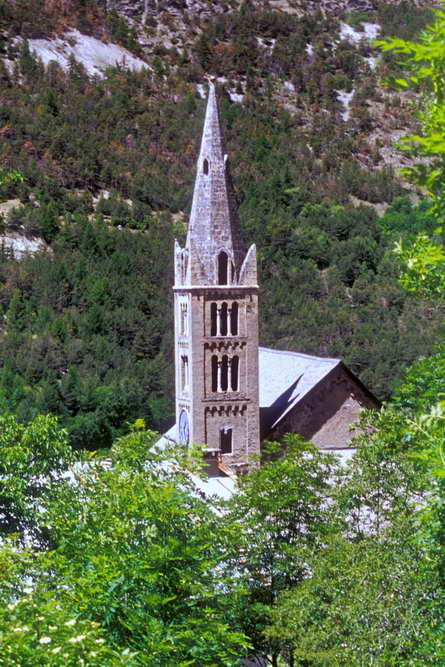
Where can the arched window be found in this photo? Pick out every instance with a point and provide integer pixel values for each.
(223, 262)
(214, 373)
(205, 167)
(235, 373)
(184, 373)
(184, 258)
(213, 319)
(224, 373)
(183, 319)
(225, 439)
(234, 319)
(224, 320)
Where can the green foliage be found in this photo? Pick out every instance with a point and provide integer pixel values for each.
(363, 605)
(405, 19)
(381, 482)
(13, 176)
(423, 259)
(32, 461)
(36, 629)
(311, 259)
(85, 331)
(423, 63)
(423, 266)
(357, 18)
(420, 397)
(121, 32)
(282, 514)
(19, 17)
(373, 594)
(132, 577)
(42, 220)
(91, 340)
(312, 563)
(423, 384)
(403, 220)
(328, 277)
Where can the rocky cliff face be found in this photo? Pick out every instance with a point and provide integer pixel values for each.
(320, 69)
(136, 9)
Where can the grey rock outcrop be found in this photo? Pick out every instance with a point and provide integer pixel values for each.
(139, 10)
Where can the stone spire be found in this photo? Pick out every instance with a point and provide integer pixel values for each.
(214, 224)
(216, 315)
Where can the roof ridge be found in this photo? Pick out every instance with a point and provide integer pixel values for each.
(300, 354)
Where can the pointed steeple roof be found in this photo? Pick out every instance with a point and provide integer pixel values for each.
(214, 224)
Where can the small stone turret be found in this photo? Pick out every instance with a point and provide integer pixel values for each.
(216, 314)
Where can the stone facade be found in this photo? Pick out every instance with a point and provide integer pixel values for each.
(325, 414)
(216, 314)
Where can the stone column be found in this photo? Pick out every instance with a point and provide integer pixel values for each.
(218, 387)
(218, 321)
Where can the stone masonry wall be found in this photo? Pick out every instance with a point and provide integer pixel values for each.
(327, 413)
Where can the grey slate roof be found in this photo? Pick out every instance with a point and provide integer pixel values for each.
(221, 487)
(168, 438)
(285, 378)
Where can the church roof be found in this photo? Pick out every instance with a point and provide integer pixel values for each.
(285, 378)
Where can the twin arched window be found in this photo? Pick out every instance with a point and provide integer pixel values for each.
(225, 373)
(224, 319)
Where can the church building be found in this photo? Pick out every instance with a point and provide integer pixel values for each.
(232, 394)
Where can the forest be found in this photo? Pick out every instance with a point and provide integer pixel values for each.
(107, 169)
(109, 553)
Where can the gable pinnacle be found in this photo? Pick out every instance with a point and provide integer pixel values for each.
(214, 225)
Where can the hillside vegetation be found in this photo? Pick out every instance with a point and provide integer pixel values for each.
(108, 169)
(127, 557)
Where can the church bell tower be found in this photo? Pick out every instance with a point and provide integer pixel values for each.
(216, 314)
